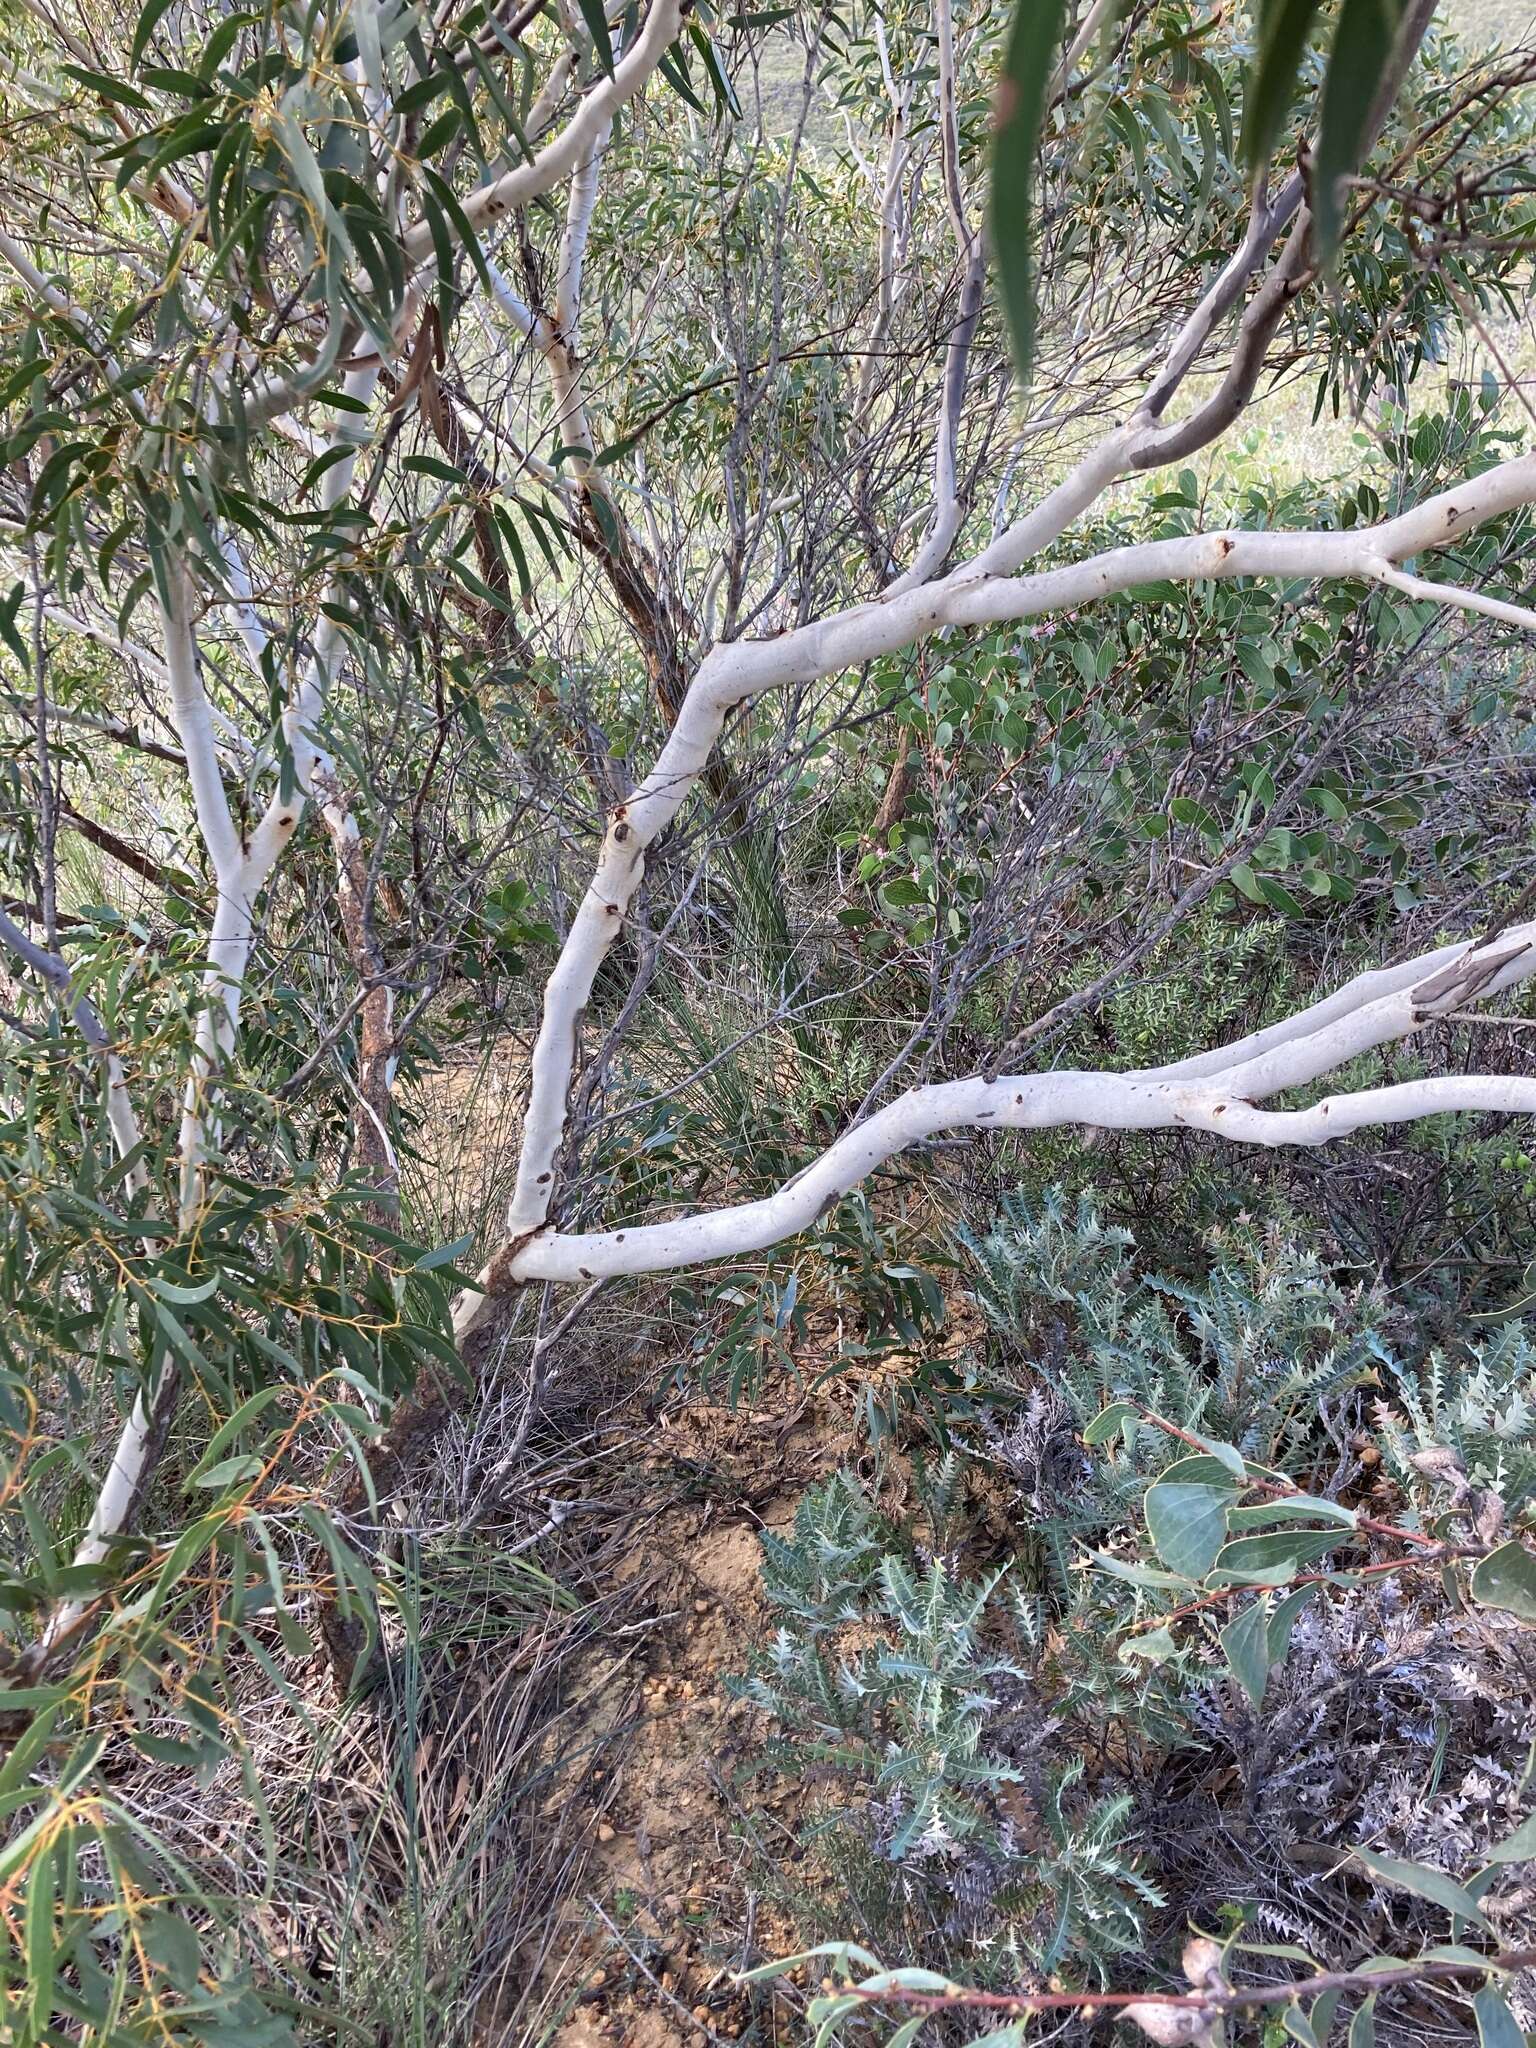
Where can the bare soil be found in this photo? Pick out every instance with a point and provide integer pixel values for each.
(666, 1911)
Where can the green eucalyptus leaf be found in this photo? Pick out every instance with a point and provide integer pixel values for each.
(1028, 66)
(594, 14)
(1362, 45)
(1284, 26)
(1245, 1644)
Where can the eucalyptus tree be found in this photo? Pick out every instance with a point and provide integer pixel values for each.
(419, 420)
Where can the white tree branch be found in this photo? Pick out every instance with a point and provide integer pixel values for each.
(193, 718)
(736, 673)
(574, 144)
(1223, 1101)
(1464, 600)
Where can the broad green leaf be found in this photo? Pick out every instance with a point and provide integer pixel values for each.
(1298, 1507)
(1028, 66)
(1323, 2010)
(1109, 1422)
(908, 2031)
(1137, 1574)
(1278, 897)
(1362, 2028)
(837, 1953)
(1226, 1455)
(1156, 1646)
(1273, 1558)
(1245, 1644)
(1507, 1579)
(1186, 1513)
(1433, 1885)
(1497, 2026)
(1283, 1620)
(1299, 2026)
(1520, 1847)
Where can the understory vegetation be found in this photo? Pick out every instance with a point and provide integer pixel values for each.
(1041, 1744)
(767, 971)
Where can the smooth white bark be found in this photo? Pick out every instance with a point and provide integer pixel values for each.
(1223, 1099)
(560, 158)
(970, 596)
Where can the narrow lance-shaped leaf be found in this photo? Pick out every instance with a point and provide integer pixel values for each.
(1019, 113)
(1283, 29)
(1362, 45)
(595, 16)
(41, 1893)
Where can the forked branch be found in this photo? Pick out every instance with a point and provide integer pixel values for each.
(736, 674)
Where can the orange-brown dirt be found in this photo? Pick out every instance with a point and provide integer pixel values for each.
(668, 1884)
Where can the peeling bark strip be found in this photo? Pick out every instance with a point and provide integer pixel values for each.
(979, 592)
